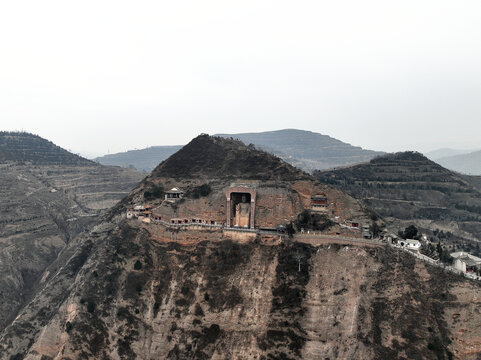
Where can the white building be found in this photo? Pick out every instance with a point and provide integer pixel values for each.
(174, 194)
(410, 244)
(466, 262)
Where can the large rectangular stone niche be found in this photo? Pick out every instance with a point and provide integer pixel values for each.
(241, 205)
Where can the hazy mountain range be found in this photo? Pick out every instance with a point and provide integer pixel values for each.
(304, 149)
(464, 163)
(143, 159)
(445, 152)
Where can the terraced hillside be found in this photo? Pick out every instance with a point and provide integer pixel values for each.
(22, 147)
(473, 180)
(406, 188)
(44, 204)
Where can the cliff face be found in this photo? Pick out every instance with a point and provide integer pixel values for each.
(126, 296)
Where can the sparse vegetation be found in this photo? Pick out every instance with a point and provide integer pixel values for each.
(154, 192)
(216, 157)
(90, 306)
(411, 232)
(198, 310)
(309, 220)
(68, 326)
(200, 191)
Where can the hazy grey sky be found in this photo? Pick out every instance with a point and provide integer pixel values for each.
(99, 76)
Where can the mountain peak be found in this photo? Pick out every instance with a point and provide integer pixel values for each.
(217, 157)
(23, 147)
(306, 150)
(410, 156)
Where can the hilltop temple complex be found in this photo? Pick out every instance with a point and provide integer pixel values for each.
(249, 207)
(221, 185)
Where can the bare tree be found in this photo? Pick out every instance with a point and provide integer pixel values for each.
(299, 256)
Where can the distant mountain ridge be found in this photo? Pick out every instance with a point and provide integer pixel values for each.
(469, 164)
(23, 147)
(445, 152)
(143, 159)
(304, 149)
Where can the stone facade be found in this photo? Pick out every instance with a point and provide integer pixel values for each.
(251, 205)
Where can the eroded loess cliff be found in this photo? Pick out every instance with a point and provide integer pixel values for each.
(129, 297)
(43, 207)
